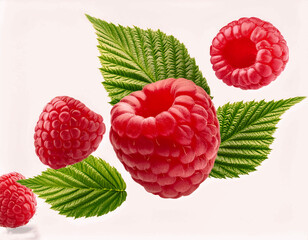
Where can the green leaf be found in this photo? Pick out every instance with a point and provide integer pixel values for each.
(133, 57)
(86, 189)
(246, 133)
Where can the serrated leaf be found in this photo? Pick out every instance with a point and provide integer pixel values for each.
(246, 133)
(133, 57)
(86, 189)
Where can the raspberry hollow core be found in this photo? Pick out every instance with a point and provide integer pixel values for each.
(248, 53)
(166, 136)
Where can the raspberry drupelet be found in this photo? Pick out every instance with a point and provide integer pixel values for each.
(166, 136)
(248, 53)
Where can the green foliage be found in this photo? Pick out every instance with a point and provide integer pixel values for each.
(246, 133)
(133, 57)
(86, 189)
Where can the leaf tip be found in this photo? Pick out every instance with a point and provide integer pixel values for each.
(301, 98)
(90, 18)
(294, 100)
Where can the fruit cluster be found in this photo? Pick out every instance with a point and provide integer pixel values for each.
(166, 135)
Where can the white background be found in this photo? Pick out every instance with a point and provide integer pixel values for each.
(48, 48)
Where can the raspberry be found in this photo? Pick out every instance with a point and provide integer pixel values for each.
(166, 136)
(67, 132)
(249, 53)
(17, 202)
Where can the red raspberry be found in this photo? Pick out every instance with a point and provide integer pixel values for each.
(167, 136)
(67, 132)
(249, 53)
(17, 202)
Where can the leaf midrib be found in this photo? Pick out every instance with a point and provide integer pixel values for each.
(72, 187)
(243, 128)
(124, 50)
(133, 59)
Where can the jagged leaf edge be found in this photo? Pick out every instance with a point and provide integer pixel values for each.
(223, 169)
(47, 189)
(117, 93)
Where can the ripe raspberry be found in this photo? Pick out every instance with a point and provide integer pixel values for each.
(249, 53)
(67, 132)
(167, 136)
(17, 202)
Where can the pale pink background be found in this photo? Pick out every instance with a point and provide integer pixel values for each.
(48, 48)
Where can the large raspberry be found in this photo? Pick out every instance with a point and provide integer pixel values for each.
(17, 202)
(167, 136)
(249, 53)
(67, 132)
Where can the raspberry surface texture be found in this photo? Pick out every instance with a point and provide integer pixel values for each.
(17, 202)
(249, 53)
(67, 132)
(166, 136)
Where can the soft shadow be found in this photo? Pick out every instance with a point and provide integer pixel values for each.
(22, 233)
